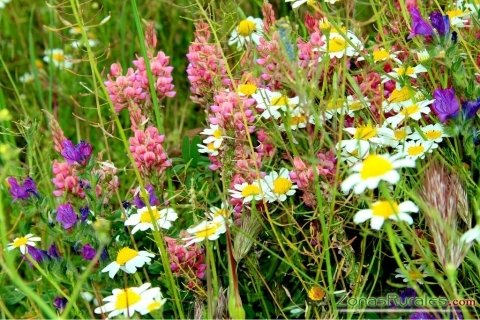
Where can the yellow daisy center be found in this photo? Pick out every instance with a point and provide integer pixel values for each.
(247, 89)
(415, 275)
(324, 25)
(296, 120)
(211, 146)
(415, 150)
(127, 298)
(400, 134)
(146, 217)
(405, 71)
(251, 190)
(223, 212)
(206, 232)
(433, 134)
(125, 255)
(337, 45)
(246, 27)
(154, 306)
(375, 166)
(316, 293)
(217, 133)
(385, 209)
(399, 95)
(355, 105)
(281, 185)
(334, 104)
(58, 56)
(20, 242)
(454, 13)
(410, 110)
(279, 101)
(365, 132)
(381, 54)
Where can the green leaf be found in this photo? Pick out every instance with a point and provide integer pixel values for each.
(190, 152)
(11, 295)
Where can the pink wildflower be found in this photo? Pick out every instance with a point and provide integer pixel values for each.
(108, 181)
(268, 17)
(66, 180)
(147, 149)
(270, 56)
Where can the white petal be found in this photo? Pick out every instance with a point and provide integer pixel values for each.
(362, 216)
(348, 183)
(376, 222)
(408, 206)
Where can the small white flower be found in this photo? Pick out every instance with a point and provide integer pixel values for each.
(352, 154)
(372, 170)
(403, 71)
(382, 210)
(58, 58)
(413, 111)
(208, 149)
(394, 137)
(215, 135)
(414, 274)
(247, 191)
(22, 243)
(250, 29)
(225, 211)
(381, 54)
(76, 44)
(363, 138)
(433, 133)
(128, 260)
(336, 45)
(416, 149)
(399, 97)
(142, 220)
(353, 104)
(471, 235)
(129, 300)
(298, 3)
(3, 3)
(272, 102)
(297, 119)
(26, 77)
(458, 17)
(278, 186)
(207, 229)
(335, 106)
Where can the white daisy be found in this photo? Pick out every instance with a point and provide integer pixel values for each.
(382, 210)
(354, 104)
(381, 54)
(297, 119)
(413, 111)
(335, 106)
(142, 220)
(27, 77)
(128, 260)
(298, 3)
(403, 71)
(372, 170)
(58, 58)
(399, 97)
(394, 137)
(337, 46)
(458, 17)
(207, 229)
(247, 89)
(414, 273)
(208, 149)
(364, 137)
(224, 211)
(129, 300)
(416, 149)
(22, 243)
(247, 191)
(215, 135)
(353, 155)
(272, 102)
(278, 186)
(433, 133)
(250, 29)
(471, 235)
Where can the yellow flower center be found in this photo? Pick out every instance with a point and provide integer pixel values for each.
(279, 101)
(217, 133)
(38, 64)
(58, 56)
(410, 110)
(211, 146)
(334, 104)
(365, 132)
(454, 13)
(375, 166)
(399, 95)
(415, 275)
(380, 55)
(125, 255)
(281, 185)
(324, 25)
(316, 293)
(251, 190)
(355, 105)
(433, 134)
(127, 298)
(337, 45)
(223, 212)
(246, 27)
(400, 134)
(385, 209)
(296, 120)
(210, 229)
(154, 306)
(146, 217)
(415, 150)
(20, 242)
(247, 89)
(405, 71)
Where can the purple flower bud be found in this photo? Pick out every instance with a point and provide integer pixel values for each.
(419, 25)
(470, 108)
(152, 198)
(66, 216)
(23, 191)
(37, 254)
(84, 212)
(59, 303)
(440, 22)
(446, 105)
(79, 153)
(53, 251)
(88, 252)
(104, 255)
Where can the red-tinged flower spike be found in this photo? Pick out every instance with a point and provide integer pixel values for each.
(57, 133)
(268, 17)
(147, 149)
(206, 68)
(66, 180)
(270, 56)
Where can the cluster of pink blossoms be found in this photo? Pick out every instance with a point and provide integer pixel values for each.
(66, 180)
(187, 262)
(147, 149)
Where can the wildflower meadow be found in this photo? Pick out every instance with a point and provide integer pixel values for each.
(250, 159)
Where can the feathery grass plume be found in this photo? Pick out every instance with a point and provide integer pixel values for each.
(221, 308)
(447, 200)
(246, 236)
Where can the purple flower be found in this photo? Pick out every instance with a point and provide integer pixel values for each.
(440, 22)
(152, 198)
(470, 108)
(419, 25)
(79, 153)
(104, 255)
(23, 191)
(37, 254)
(84, 212)
(59, 303)
(421, 315)
(66, 216)
(446, 104)
(53, 251)
(88, 252)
